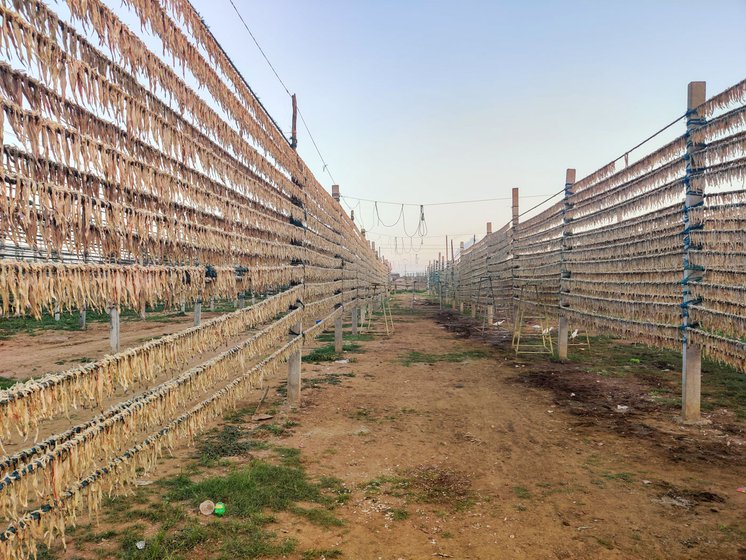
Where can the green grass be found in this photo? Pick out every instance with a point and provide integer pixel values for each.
(227, 441)
(398, 514)
(7, 382)
(327, 354)
(414, 357)
(425, 484)
(660, 369)
(624, 476)
(360, 337)
(522, 492)
(11, 326)
(250, 490)
(319, 553)
(326, 379)
(252, 493)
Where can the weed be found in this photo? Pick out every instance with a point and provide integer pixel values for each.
(320, 517)
(522, 492)
(327, 353)
(229, 441)
(320, 553)
(415, 357)
(7, 382)
(625, 476)
(397, 514)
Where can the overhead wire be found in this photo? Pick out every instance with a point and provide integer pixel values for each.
(277, 75)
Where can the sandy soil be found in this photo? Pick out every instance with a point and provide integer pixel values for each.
(543, 474)
(25, 355)
(548, 485)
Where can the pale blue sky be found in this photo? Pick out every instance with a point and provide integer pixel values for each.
(436, 101)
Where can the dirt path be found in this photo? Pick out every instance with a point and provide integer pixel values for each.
(45, 351)
(542, 487)
(448, 453)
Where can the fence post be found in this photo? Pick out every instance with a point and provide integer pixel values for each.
(691, 355)
(338, 344)
(514, 224)
(294, 361)
(81, 316)
(198, 312)
(354, 319)
(113, 328)
(564, 272)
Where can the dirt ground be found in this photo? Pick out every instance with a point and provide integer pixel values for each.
(463, 451)
(45, 351)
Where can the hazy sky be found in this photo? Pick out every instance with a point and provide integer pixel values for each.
(438, 101)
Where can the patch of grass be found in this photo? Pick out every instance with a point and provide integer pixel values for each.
(522, 492)
(427, 484)
(415, 357)
(605, 543)
(327, 354)
(319, 553)
(625, 476)
(336, 488)
(7, 382)
(360, 337)
(363, 413)
(228, 441)
(317, 516)
(326, 379)
(397, 514)
(289, 456)
(722, 385)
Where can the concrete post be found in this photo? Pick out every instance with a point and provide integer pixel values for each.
(490, 315)
(253, 298)
(241, 301)
(294, 362)
(183, 306)
(113, 329)
(691, 397)
(354, 320)
(461, 308)
(212, 303)
(56, 311)
(514, 227)
(691, 370)
(198, 312)
(81, 316)
(338, 342)
(473, 310)
(562, 340)
(142, 310)
(564, 327)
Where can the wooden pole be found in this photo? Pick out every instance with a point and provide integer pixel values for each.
(562, 340)
(294, 131)
(691, 363)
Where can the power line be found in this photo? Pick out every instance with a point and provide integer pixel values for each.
(302, 118)
(441, 203)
